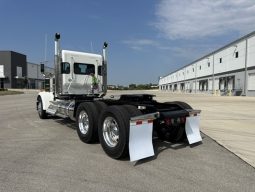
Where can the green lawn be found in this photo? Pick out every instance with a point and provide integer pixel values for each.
(10, 92)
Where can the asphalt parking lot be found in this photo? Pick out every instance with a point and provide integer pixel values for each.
(47, 155)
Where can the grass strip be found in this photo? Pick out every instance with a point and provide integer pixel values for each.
(10, 92)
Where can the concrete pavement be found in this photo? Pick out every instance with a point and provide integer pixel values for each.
(228, 120)
(47, 155)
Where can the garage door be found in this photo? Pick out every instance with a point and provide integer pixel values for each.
(216, 84)
(251, 81)
(210, 84)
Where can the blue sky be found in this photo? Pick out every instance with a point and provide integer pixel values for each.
(147, 38)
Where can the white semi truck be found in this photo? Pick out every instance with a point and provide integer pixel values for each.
(123, 125)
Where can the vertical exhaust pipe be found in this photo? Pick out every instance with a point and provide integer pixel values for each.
(104, 68)
(57, 65)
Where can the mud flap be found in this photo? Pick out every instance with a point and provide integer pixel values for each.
(140, 139)
(192, 129)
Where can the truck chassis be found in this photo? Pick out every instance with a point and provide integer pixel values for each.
(108, 120)
(123, 125)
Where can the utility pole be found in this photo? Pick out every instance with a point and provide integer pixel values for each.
(245, 72)
(213, 86)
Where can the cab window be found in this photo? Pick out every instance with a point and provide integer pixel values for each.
(84, 69)
(65, 68)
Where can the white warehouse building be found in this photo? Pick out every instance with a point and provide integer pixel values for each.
(229, 70)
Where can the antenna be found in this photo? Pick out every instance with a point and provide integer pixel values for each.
(45, 48)
(91, 47)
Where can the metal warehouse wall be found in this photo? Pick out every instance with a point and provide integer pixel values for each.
(17, 73)
(15, 68)
(35, 78)
(229, 70)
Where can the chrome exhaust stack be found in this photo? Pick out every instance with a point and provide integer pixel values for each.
(104, 69)
(57, 60)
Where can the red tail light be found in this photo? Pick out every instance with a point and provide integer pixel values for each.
(168, 121)
(183, 119)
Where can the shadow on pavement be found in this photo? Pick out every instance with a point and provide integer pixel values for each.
(67, 122)
(160, 146)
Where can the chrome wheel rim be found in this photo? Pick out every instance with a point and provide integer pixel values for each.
(111, 132)
(83, 122)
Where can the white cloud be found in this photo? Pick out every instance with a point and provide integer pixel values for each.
(191, 19)
(140, 44)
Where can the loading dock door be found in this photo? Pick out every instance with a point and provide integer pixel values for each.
(197, 85)
(231, 83)
(216, 84)
(222, 84)
(210, 84)
(251, 81)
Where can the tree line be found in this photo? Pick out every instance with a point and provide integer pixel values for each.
(134, 87)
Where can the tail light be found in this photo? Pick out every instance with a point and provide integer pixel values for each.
(168, 121)
(173, 121)
(183, 119)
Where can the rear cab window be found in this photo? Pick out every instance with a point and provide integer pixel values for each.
(84, 68)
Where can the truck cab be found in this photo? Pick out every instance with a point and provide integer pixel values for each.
(81, 73)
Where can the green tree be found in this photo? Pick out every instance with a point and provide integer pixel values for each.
(132, 86)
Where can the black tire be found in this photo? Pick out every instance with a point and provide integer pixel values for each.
(100, 106)
(86, 122)
(42, 113)
(119, 117)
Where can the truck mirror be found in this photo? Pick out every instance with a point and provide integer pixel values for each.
(57, 36)
(42, 68)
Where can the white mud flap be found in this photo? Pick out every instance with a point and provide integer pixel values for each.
(140, 137)
(192, 129)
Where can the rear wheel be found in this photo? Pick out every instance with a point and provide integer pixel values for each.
(100, 106)
(113, 129)
(86, 122)
(42, 113)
